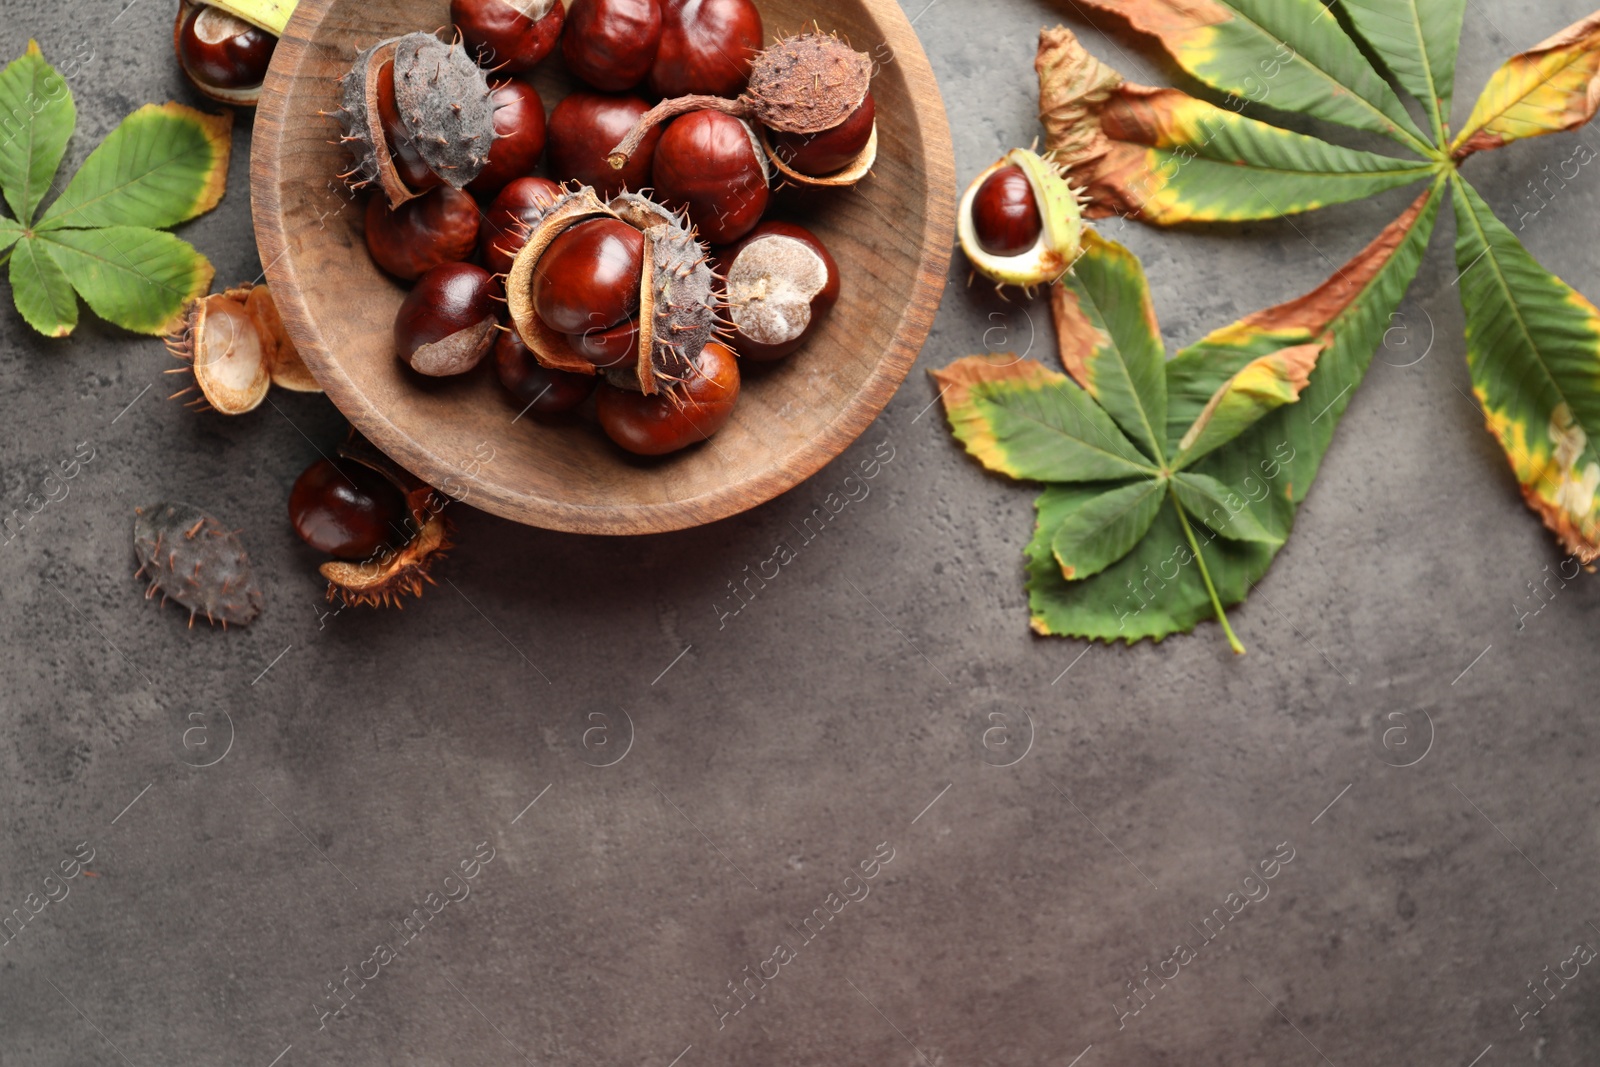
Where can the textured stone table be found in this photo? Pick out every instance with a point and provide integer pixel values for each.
(835, 727)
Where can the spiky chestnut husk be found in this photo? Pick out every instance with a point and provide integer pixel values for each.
(1061, 231)
(190, 557)
(806, 84)
(679, 306)
(235, 346)
(392, 573)
(444, 102)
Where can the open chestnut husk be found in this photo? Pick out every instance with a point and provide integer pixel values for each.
(440, 226)
(706, 46)
(235, 345)
(811, 88)
(446, 324)
(675, 301)
(418, 101)
(509, 35)
(582, 130)
(224, 56)
(781, 283)
(385, 528)
(711, 165)
(701, 405)
(1013, 241)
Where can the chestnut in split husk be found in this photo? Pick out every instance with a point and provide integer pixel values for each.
(509, 35)
(711, 165)
(583, 129)
(706, 46)
(446, 324)
(511, 219)
(519, 140)
(385, 528)
(811, 91)
(781, 284)
(419, 105)
(235, 345)
(611, 44)
(542, 390)
(440, 226)
(672, 294)
(588, 279)
(1019, 222)
(223, 55)
(656, 425)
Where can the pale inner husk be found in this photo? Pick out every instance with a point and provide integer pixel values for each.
(770, 288)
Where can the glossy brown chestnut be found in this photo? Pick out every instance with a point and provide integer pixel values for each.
(709, 164)
(583, 129)
(222, 50)
(509, 35)
(667, 422)
(441, 226)
(781, 284)
(519, 137)
(544, 391)
(408, 162)
(505, 229)
(610, 349)
(347, 510)
(446, 324)
(706, 47)
(1005, 213)
(589, 277)
(611, 44)
(821, 154)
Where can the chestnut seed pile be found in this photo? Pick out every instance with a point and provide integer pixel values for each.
(531, 239)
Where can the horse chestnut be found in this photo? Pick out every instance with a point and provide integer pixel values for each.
(544, 391)
(1019, 222)
(828, 152)
(347, 510)
(611, 44)
(584, 126)
(509, 35)
(711, 165)
(519, 136)
(446, 323)
(510, 220)
(781, 284)
(706, 47)
(589, 277)
(440, 226)
(675, 418)
(224, 56)
(609, 349)
(1005, 213)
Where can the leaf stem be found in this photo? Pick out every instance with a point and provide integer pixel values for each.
(1205, 575)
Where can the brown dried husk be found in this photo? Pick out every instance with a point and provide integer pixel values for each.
(678, 306)
(808, 83)
(234, 331)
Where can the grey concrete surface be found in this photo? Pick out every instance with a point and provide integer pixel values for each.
(346, 764)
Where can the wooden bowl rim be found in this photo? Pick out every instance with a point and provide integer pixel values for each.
(861, 409)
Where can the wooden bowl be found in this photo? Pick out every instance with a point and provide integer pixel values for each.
(892, 236)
